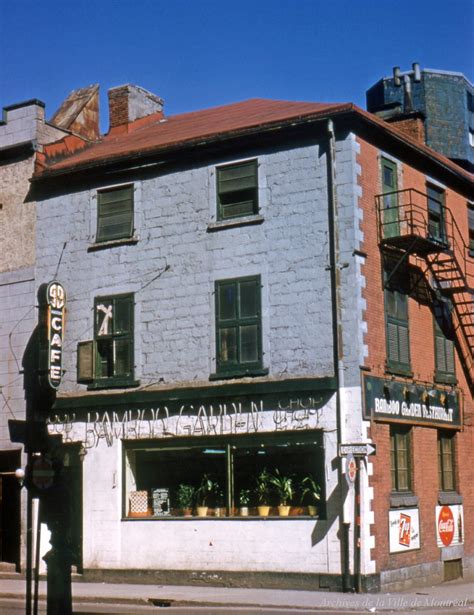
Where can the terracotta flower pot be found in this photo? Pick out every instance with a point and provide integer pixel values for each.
(263, 510)
(201, 511)
(313, 511)
(284, 510)
(244, 511)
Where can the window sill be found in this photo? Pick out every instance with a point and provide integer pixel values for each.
(449, 497)
(241, 373)
(104, 245)
(403, 500)
(219, 519)
(113, 384)
(445, 378)
(234, 222)
(398, 371)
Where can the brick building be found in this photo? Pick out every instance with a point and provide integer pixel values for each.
(443, 101)
(241, 301)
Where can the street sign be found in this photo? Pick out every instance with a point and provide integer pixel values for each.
(360, 449)
(42, 473)
(351, 469)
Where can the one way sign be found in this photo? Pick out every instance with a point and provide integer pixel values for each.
(360, 449)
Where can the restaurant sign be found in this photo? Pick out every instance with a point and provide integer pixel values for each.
(415, 404)
(52, 309)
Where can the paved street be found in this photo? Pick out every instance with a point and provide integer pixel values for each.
(452, 597)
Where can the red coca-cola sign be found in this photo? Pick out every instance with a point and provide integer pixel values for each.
(446, 526)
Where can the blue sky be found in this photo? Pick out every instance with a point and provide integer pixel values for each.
(201, 53)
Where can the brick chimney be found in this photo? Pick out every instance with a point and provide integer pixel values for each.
(128, 103)
(412, 124)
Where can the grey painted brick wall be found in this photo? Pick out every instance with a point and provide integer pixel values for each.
(175, 312)
(17, 300)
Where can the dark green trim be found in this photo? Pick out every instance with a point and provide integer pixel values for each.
(113, 383)
(239, 373)
(126, 398)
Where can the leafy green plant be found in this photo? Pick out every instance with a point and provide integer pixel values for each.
(244, 497)
(262, 486)
(310, 489)
(207, 487)
(185, 495)
(283, 486)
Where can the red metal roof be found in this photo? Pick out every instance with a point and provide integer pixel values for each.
(159, 133)
(155, 133)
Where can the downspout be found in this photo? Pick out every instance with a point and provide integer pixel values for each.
(334, 268)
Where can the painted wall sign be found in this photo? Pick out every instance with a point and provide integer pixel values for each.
(52, 303)
(449, 525)
(265, 414)
(398, 402)
(404, 530)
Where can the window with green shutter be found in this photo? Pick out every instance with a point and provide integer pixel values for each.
(115, 213)
(113, 337)
(238, 325)
(400, 458)
(446, 461)
(397, 332)
(444, 344)
(237, 190)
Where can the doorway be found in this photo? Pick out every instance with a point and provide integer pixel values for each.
(10, 508)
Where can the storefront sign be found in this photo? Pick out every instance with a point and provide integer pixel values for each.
(52, 301)
(398, 402)
(404, 530)
(175, 419)
(449, 525)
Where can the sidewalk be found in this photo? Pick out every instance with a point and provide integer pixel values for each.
(452, 594)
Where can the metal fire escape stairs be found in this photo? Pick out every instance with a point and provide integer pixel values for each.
(407, 228)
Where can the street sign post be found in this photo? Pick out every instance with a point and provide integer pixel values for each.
(359, 449)
(42, 473)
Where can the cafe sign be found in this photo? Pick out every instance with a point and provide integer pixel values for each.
(414, 404)
(52, 304)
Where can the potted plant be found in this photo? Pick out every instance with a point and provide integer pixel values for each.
(244, 500)
(205, 489)
(285, 490)
(310, 490)
(185, 496)
(262, 491)
(219, 510)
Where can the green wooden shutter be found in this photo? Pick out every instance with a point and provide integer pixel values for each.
(115, 214)
(237, 190)
(391, 214)
(444, 353)
(397, 332)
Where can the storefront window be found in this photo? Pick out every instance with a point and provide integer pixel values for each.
(221, 477)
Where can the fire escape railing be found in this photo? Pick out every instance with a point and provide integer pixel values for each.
(407, 226)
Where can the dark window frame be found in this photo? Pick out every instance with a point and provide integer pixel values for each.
(400, 468)
(397, 324)
(447, 461)
(470, 228)
(232, 443)
(444, 346)
(436, 197)
(238, 367)
(107, 356)
(104, 219)
(246, 196)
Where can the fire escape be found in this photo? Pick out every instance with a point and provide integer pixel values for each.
(408, 229)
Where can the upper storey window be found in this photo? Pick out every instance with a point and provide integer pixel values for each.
(237, 190)
(115, 213)
(470, 221)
